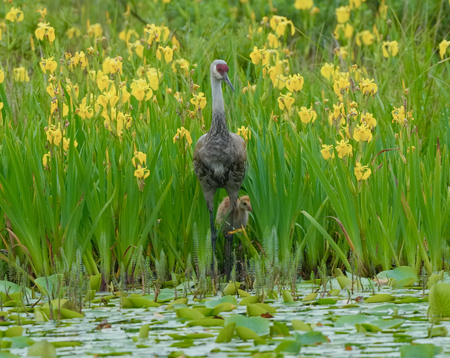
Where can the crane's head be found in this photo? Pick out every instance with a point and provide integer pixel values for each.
(244, 203)
(219, 71)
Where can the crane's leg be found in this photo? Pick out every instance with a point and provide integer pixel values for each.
(213, 237)
(229, 237)
(209, 197)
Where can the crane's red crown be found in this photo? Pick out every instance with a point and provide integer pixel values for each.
(222, 68)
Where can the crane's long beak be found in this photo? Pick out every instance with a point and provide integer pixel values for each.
(227, 81)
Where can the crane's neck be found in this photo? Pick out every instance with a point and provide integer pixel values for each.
(219, 121)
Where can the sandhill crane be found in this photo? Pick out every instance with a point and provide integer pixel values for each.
(220, 157)
(240, 216)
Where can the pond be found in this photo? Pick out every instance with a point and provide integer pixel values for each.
(340, 325)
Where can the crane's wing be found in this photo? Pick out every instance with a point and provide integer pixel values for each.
(240, 155)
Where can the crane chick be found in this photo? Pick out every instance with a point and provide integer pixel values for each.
(240, 215)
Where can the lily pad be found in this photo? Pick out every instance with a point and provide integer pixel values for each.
(289, 346)
(326, 301)
(141, 302)
(310, 297)
(300, 325)
(226, 333)
(287, 297)
(165, 295)
(214, 303)
(207, 322)
(249, 300)
(48, 285)
(10, 287)
(95, 281)
(143, 331)
(381, 297)
(246, 333)
(439, 300)
(183, 301)
(399, 273)
(310, 338)
(189, 313)
(223, 307)
(279, 329)
(259, 325)
(352, 320)
(42, 349)
(344, 281)
(231, 289)
(419, 351)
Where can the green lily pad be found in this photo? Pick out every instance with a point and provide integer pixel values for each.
(13, 303)
(432, 280)
(19, 342)
(287, 297)
(406, 282)
(10, 288)
(48, 285)
(419, 351)
(231, 289)
(62, 313)
(225, 299)
(352, 320)
(399, 273)
(95, 281)
(259, 325)
(279, 329)
(253, 310)
(381, 297)
(439, 331)
(207, 322)
(289, 346)
(8, 355)
(310, 297)
(367, 327)
(165, 295)
(189, 313)
(183, 301)
(268, 308)
(300, 325)
(144, 330)
(344, 281)
(59, 303)
(388, 323)
(40, 316)
(310, 338)
(245, 333)
(439, 300)
(223, 307)
(13, 332)
(142, 302)
(226, 333)
(249, 300)
(203, 310)
(326, 301)
(103, 298)
(408, 300)
(191, 336)
(385, 310)
(242, 293)
(42, 349)
(335, 292)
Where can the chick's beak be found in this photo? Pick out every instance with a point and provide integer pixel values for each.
(227, 81)
(250, 209)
